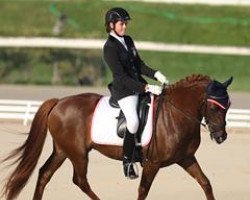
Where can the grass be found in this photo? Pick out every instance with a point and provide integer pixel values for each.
(172, 23)
(169, 23)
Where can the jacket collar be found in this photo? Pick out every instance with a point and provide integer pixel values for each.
(120, 41)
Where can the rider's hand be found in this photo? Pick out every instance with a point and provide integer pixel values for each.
(161, 78)
(154, 89)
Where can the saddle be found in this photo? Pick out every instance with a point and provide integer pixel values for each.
(142, 109)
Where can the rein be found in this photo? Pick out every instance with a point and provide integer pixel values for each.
(161, 99)
(154, 132)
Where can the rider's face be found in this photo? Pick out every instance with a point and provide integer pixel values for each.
(120, 27)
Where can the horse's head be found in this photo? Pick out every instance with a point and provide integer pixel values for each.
(217, 104)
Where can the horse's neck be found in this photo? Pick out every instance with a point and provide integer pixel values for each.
(188, 100)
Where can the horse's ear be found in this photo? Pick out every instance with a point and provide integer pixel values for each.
(227, 82)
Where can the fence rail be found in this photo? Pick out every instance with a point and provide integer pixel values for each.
(43, 42)
(19, 110)
(238, 118)
(25, 111)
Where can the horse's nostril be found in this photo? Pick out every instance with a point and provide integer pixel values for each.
(220, 140)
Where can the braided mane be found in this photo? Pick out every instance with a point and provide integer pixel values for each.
(189, 80)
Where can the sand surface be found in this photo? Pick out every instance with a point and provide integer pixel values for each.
(227, 166)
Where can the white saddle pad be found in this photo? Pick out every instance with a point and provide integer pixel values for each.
(104, 124)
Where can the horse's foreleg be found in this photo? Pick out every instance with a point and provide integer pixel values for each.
(193, 168)
(148, 174)
(80, 176)
(46, 172)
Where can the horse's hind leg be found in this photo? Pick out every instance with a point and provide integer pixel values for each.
(193, 168)
(47, 170)
(80, 164)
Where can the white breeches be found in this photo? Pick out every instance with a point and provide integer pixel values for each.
(128, 106)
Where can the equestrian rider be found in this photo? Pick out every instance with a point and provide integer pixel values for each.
(127, 67)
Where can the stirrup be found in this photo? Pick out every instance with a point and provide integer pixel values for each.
(129, 171)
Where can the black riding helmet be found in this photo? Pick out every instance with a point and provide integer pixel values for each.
(116, 14)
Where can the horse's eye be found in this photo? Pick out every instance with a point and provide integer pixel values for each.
(214, 108)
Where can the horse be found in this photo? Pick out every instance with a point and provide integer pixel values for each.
(175, 141)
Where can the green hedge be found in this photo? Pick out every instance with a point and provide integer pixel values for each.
(47, 66)
(86, 67)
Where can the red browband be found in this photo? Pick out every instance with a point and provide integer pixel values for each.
(217, 103)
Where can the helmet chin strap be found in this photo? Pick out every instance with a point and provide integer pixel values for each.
(113, 29)
(118, 34)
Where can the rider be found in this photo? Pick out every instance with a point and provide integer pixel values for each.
(127, 67)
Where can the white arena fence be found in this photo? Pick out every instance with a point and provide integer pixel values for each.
(70, 43)
(238, 118)
(19, 110)
(25, 111)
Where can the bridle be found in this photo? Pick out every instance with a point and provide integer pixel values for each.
(203, 110)
(215, 100)
(214, 128)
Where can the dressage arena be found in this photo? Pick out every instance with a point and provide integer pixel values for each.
(227, 165)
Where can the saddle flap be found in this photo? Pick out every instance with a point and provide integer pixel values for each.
(142, 110)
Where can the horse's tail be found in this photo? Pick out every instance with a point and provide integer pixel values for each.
(28, 154)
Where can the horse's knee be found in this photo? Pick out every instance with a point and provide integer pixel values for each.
(76, 180)
(206, 185)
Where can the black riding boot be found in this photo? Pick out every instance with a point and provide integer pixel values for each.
(128, 149)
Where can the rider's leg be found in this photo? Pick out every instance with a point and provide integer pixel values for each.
(129, 108)
(128, 149)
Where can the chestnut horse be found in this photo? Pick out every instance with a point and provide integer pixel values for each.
(176, 139)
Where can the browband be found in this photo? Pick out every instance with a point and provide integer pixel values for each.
(216, 97)
(218, 103)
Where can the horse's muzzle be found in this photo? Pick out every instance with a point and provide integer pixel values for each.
(219, 136)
